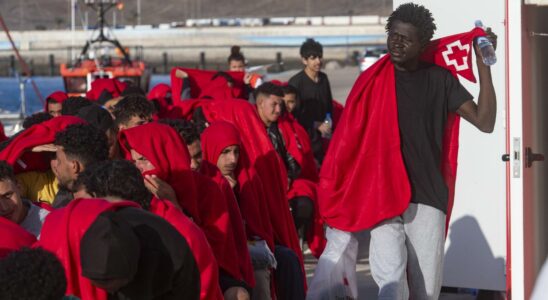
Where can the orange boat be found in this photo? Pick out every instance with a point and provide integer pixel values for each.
(103, 57)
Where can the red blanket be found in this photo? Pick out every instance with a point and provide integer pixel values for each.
(197, 194)
(243, 258)
(14, 237)
(202, 85)
(298, 145)
(252, 204)
(209, 270)
(363, 180)
(114, 86)
(19, 148)
(264, 160)
(61, 234)
(160, 93)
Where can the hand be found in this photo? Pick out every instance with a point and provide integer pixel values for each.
(160, 189)
(324, 128)
(491, 36)
(45, 148)
(233, 182)
(247, 78)
(181, 74)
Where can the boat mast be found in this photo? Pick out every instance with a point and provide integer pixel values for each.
(102, 6)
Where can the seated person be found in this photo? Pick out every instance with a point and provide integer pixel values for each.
(133, 110)
(119, 180)
(75, 148)
(14, 208)
(163, 159)
(188, 131)
(156, 263)
(133, 254)
(223, 148)
(270, 101)
(54, 103)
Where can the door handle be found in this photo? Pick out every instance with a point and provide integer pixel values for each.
(531, 157)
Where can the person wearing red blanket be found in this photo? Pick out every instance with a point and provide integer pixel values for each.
(392, 164)
(28, 153)
(223, 148)
(71, 223)
(264, 161)
(302, 193)
(161, 155)
(299, 146)
(188, 131)
(117, 180)
(113, 250)
(54, 103)
(160, 96)
(132, 110)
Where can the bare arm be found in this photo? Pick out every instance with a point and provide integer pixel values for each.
(483, 114)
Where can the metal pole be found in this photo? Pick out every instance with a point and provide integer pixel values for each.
(23, 111)
(279, 62)
(202, 60)
(164, 56)
(51, 65)
(72, 27)
(12, 70)
(138, 12)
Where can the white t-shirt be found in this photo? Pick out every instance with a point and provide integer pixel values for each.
(35, 218)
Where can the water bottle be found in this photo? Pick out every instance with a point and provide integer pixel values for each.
(488, 55)
(329, 122)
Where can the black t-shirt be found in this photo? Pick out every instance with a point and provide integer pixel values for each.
(314, 103)
(425, 97)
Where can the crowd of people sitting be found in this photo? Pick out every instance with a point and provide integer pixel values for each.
(205, 188)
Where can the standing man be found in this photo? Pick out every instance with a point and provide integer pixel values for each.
(314, 94)
(388, 168)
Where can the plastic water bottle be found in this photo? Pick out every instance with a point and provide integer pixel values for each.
(329, 122)
(488, 55)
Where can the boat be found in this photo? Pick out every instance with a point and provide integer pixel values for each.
(104, 57)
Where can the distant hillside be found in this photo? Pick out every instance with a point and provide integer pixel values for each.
(55, 14)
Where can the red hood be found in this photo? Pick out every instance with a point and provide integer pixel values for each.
(166, 150)
(57, 96)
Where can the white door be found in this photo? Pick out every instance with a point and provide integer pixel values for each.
(527, 134)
